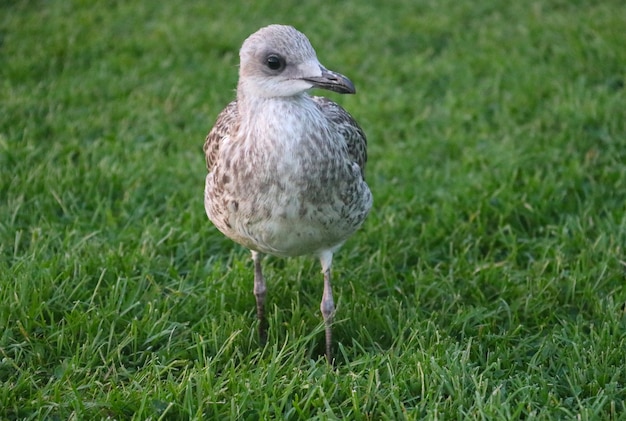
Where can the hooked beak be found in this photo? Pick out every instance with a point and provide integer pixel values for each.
(332, 81)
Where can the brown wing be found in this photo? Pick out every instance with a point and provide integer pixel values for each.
(348, 127)
(224, 126)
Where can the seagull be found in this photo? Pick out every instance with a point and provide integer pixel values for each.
(286, 169)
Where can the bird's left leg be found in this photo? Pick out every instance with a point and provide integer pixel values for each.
(259, 293)
(327, 305)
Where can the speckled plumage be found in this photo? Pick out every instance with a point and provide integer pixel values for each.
(286, 170)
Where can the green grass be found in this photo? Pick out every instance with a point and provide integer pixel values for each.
(489, 281)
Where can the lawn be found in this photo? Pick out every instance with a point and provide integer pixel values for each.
(489, 281)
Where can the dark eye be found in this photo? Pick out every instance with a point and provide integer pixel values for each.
(275, 62)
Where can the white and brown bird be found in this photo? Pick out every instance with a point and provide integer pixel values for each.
(286, 169)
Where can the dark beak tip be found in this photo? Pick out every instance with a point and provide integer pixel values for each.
(342, 84)
(333, 81)
(345, 86)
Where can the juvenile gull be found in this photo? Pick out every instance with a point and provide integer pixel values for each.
(286, 169)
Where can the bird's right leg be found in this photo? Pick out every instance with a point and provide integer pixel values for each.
(327, 306)
(259, 293)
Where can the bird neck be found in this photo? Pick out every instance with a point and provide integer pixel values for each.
(289, 121)
(253, 102)
(280, 109)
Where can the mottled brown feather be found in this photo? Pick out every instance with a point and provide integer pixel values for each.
(224, 126)
(348, 127)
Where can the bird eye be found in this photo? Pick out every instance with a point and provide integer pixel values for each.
(275, 62)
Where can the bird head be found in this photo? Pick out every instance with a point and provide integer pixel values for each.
(279, 61)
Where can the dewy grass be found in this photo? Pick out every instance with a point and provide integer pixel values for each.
(487, 283)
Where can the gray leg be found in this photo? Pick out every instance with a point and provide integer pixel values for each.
(259, 293)
(327, 305)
